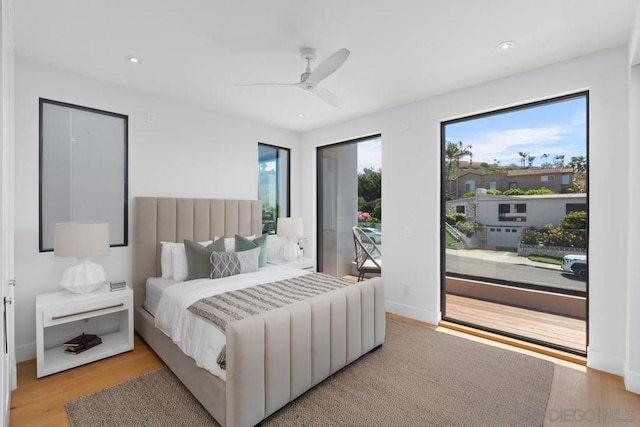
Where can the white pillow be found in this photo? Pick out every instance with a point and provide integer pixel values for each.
(169, 261)
(274, 245)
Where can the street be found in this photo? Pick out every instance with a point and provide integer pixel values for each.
(521, 273)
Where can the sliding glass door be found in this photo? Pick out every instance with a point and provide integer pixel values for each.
(349, 194)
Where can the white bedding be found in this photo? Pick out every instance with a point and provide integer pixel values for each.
(196, 337)
(154, 289)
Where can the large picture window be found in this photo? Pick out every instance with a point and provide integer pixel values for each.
(273, 184)
(515, 262)
(83, 169)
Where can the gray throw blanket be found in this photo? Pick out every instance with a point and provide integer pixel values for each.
(236, 305)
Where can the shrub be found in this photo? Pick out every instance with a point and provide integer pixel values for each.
(494, 192)
(574, 221)
(514, 192)
(536, 191)
(452, 218)
(469, 194)
(551, 236)
(467, 228)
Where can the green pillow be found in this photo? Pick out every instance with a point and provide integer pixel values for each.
(198, 263)
(244, 244)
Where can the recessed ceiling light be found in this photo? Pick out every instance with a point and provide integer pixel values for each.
(133, 59)
(505, 45)
(300, 115)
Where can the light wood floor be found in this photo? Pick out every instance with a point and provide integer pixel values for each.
(576, 390)
(560, 330)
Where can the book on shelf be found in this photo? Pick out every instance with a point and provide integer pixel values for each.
(81, 343)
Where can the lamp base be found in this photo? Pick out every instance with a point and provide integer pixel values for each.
(290, 250)
(83, 278)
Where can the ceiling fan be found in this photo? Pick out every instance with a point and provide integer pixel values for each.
(309, 79)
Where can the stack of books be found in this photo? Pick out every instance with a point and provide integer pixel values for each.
(81, 343)
(117, 286)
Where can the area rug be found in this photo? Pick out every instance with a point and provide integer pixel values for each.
(418, 377)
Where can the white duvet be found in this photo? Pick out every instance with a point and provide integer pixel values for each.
(196, 337)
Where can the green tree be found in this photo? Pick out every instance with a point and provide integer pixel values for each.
(530, 160)
(523, 157)
(574, 221)
(454, 152)
(370, 184)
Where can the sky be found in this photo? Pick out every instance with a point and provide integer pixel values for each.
(370, 154)
(558, 128)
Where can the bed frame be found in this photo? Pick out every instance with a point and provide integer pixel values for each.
(272, 358)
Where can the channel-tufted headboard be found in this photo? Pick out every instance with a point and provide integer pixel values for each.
(175, 219)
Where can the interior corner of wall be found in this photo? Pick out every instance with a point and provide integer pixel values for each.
(412, 312)
(25, 352)
(603, 361)
(631, 380)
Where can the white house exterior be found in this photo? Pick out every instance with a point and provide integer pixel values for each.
(503, 218)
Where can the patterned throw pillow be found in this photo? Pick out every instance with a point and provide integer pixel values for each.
(225, 264)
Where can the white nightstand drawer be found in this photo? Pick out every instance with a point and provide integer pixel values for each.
(73, 312)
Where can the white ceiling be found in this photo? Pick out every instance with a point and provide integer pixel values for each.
(194, 51)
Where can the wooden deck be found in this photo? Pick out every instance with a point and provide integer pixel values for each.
(551, 328)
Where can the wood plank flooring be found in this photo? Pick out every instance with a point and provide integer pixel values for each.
(576, 390)
(560, 330)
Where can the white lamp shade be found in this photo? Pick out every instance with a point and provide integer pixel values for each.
(290, 227)
(81, 239)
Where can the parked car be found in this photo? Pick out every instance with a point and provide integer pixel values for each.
(576, 264)
(373, 234)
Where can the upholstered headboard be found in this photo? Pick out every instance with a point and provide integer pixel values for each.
(175, 219)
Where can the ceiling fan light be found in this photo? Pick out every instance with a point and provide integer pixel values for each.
(505, 45)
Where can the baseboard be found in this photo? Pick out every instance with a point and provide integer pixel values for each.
(25, 352)
(631, 380)
(606, 362)
(414, 312)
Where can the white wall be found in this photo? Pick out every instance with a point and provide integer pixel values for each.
(632, 368)
(411, 187)
(184, 152)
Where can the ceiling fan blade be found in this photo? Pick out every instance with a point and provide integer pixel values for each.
(266, 84)
(328, 66)
(327, 96)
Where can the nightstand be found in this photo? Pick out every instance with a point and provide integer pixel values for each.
(63, 315)
(301, 263)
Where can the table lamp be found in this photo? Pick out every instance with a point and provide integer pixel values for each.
(82, 240)
(291, 228)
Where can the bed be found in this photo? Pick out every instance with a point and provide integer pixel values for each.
(273, 357)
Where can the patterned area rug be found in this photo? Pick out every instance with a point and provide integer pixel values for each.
(419, 377)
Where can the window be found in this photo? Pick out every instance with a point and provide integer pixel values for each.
(512, 212)
(273, 184)
(546, 178)
(490, 185)
(469, 186)
(575, 207)
(566, 179)
(460, 209)
(513, 185)
(83, 169)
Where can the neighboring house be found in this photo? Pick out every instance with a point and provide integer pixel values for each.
(557, 179)
(502, 218)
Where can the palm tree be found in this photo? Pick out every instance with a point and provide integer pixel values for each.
(578, 164)
(530, 159)
(453, 153)
(559, 161)
(544, 156)
(523, 157)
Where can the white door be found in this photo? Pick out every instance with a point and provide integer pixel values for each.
(7, 350)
